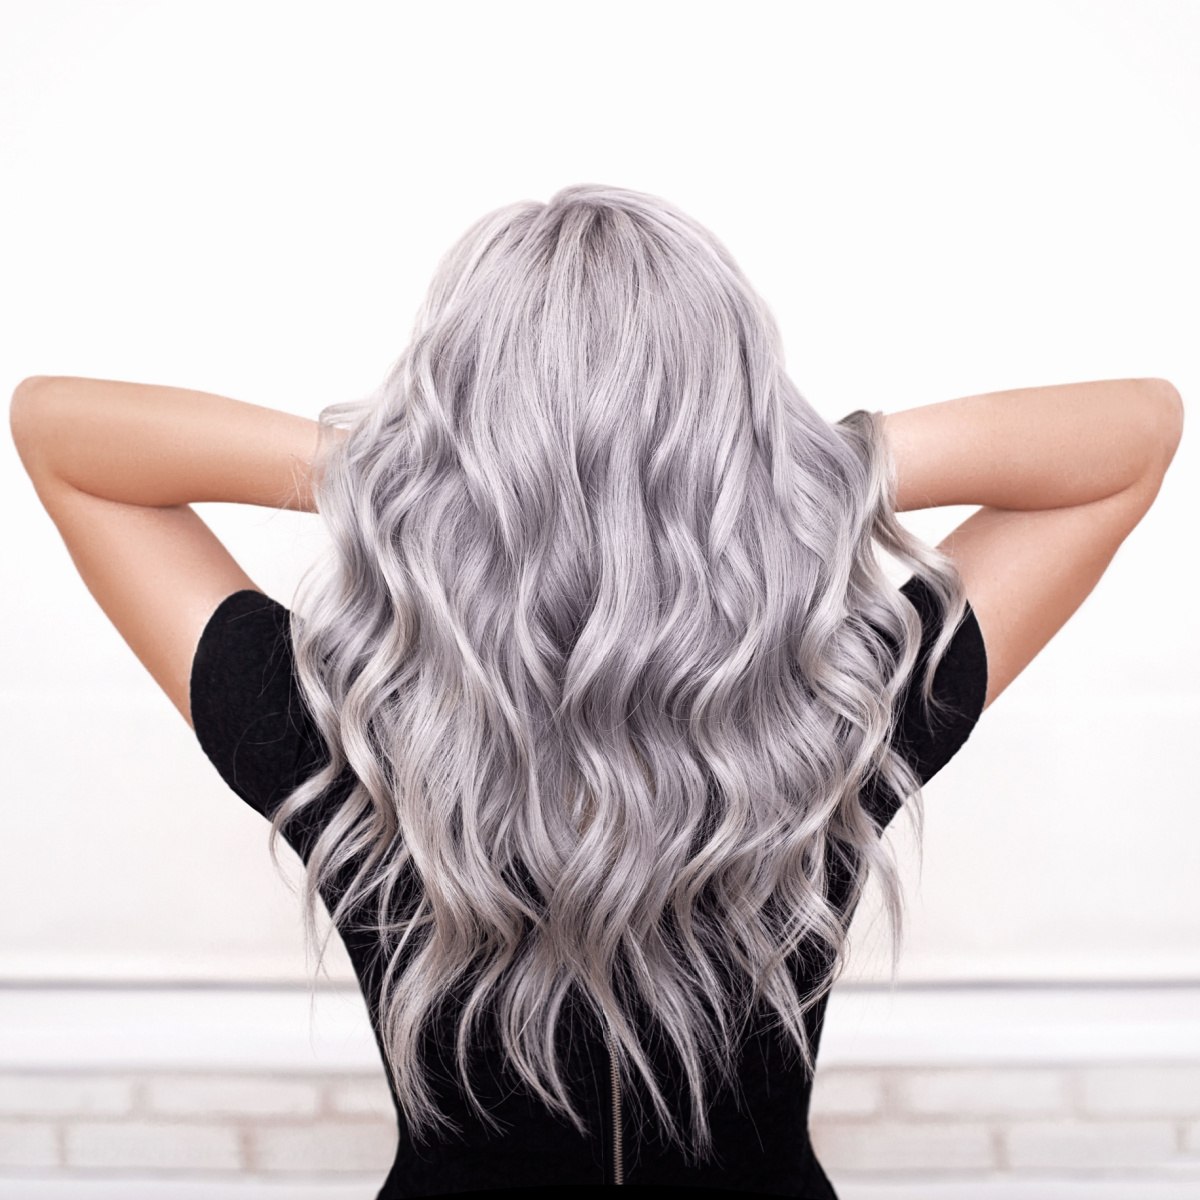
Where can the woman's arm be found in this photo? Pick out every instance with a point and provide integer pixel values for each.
(116, 466)
(1063, 475)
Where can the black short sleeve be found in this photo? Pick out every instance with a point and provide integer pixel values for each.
(246, 706)
(928, 740)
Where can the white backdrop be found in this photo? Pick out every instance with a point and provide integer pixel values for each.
(936, 199)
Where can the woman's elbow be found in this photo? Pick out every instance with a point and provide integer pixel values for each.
(26, 414)
(1164, 419)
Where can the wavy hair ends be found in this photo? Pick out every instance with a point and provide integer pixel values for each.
(605, 641)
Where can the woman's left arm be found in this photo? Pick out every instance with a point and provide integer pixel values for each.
(116, 466)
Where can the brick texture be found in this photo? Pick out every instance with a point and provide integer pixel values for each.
(903, 1146)
(325, 1146)
(1090, 1145)
(368, 1097)
(868, 1123)
(978, 1093)
(52, 1095)
(233, 1095)
(1142, 1091)
(142, 1144)
(28, 1144)
(1191, 1139)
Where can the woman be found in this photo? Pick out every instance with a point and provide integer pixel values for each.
(588, 727)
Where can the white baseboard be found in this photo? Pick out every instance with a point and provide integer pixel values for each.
(288, 1029)
(1012, 1025)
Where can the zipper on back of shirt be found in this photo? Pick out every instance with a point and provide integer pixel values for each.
(618, 1147)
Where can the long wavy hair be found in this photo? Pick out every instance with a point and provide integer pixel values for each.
(606, 643)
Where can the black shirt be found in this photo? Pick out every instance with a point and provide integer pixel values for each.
(250, 721)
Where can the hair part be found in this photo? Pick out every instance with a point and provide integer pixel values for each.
(606, 643)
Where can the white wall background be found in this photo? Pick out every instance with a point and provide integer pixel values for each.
(937, 199)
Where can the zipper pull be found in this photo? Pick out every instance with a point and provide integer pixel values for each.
(618, 1140)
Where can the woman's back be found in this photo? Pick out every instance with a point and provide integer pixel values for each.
(251, 722)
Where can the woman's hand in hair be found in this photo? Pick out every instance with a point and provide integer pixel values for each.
(1063, 475)
(116, 466)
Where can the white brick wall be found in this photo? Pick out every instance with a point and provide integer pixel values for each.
(847, 1093)
(895, 1121)
(211, 1095)
(362, 1097)
(905, 1146)
(1094, 1145)
(28, 1144)
(227, 1124)
(869, 1123)
(51, 1095)
(145, 1144)
(1168, 1091)
(1012, 1090)
(325, 1146)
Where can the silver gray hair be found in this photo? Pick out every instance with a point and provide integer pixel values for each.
(606, 642)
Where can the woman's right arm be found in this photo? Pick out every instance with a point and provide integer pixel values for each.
(1063, 474)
